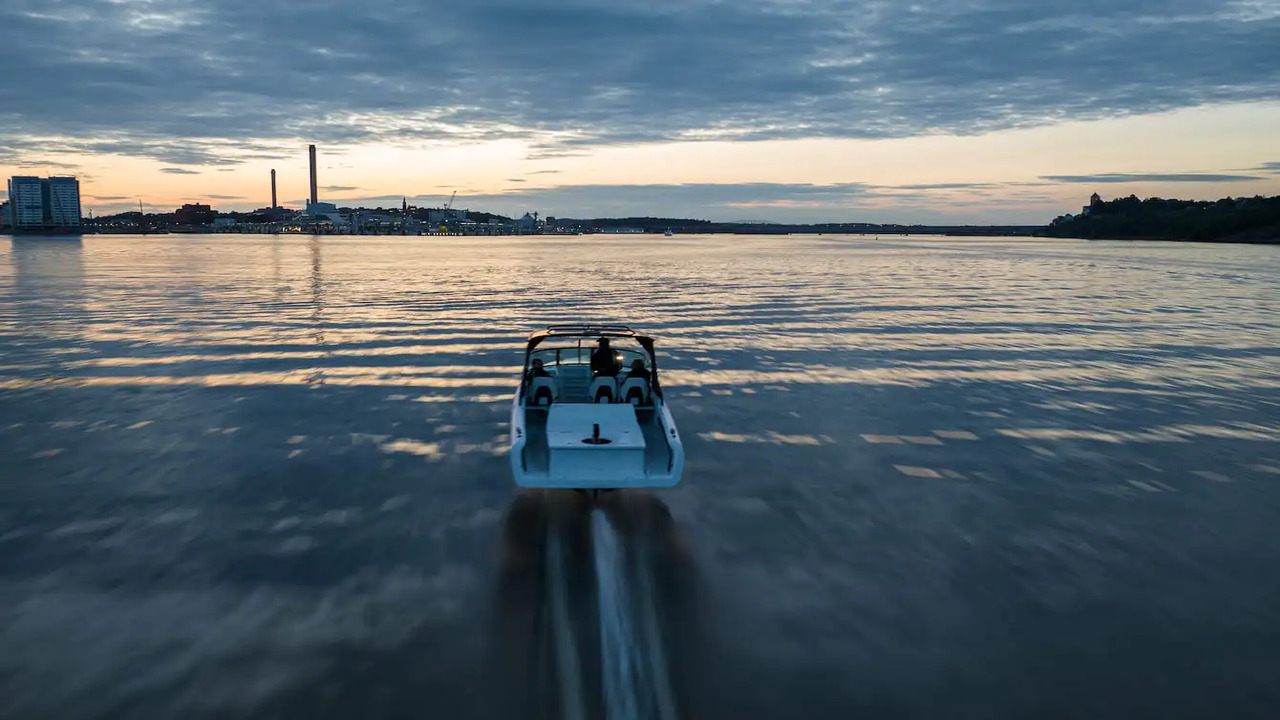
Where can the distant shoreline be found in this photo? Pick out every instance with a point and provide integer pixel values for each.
(677, 235)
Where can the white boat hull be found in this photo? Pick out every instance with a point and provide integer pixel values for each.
(592, 419)
(552, 447)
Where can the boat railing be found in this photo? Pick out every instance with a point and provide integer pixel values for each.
(589, 329)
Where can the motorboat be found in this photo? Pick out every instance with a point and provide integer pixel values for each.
(668, 233)
(592, 428)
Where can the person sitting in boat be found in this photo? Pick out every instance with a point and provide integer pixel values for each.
(638, 370)
(603, 361)
(537, 371)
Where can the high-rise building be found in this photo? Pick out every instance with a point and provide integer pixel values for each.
(26, 203)
(64, 202)
(44, 204)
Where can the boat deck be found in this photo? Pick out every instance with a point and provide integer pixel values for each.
(537, 454)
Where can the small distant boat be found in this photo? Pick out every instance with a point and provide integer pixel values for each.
(574, 428)
(668, 233)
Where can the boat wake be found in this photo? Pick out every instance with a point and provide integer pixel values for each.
(589, 619)
(632, 657)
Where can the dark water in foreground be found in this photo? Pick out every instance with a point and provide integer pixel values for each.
(264, 478)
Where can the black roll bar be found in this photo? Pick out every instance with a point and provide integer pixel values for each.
(536, 337)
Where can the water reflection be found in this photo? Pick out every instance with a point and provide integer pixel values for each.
(317, 376)
(48, 295)
(926, 478)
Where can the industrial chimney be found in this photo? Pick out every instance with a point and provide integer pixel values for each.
(273, 189)
(314, 197)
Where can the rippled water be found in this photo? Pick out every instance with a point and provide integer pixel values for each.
(258, 477)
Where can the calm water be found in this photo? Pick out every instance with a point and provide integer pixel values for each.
(265, 478)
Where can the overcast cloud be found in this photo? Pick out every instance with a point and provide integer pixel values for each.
(1192, 177)
(201, 83)
(772, 202)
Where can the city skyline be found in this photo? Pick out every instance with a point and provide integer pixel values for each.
(971, 112)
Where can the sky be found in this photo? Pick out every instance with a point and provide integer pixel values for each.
(948, 111)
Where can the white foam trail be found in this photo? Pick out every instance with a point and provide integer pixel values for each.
(620, 666)
(568, 670)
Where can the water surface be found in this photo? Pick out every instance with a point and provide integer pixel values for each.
(265, 478)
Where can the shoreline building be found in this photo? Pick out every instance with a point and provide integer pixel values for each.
(194, 214)
(44, 205)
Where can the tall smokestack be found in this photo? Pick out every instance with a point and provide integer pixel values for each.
(274, 205)
(314, 197)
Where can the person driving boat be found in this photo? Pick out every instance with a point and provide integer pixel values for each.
(604, 363)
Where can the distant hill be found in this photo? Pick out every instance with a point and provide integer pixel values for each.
(686, 226)
(484, 217)
(648, 224)
(1255, 219)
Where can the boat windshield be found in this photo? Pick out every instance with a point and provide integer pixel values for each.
(553, 357)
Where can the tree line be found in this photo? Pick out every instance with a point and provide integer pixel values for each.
(1229, 219)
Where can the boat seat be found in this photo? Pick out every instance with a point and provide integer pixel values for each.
(635, 391)
(603, 390)
(542, 391)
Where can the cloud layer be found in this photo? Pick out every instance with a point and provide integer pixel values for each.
(772, 202)
(192, 83)
(1190, 177)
